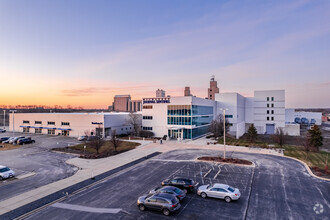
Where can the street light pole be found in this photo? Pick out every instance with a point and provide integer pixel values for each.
(13, 111)
(224, 132)
(4, 119)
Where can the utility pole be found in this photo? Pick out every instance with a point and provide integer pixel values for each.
(4, 119)
(224, 132)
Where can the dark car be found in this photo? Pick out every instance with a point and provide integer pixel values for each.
(180, 194)
(3, 139)
(25, 141)
(164, 202)
(187, 185)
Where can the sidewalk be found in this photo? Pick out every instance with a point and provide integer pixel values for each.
(89, 168)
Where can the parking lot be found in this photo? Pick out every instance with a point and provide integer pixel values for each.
(276, 188)
(34, 164)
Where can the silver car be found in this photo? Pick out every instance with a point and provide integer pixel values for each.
(5, 172)
(218, 190)
(164, 202)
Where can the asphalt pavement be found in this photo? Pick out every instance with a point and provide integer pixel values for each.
(37, 162)
(275, 188)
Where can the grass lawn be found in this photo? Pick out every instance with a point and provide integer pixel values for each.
(315, 160)
(9, 146)
(106, 150)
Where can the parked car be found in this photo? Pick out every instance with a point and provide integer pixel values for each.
(3, 139)
(2, 130)
(180, 194)
(25, 141)
(8, 140)
(6, 172)
(14, 141)
(218, 190)
(82, 138)
(163, 202)
(187, 185)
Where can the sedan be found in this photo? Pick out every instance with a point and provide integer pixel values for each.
(180, 194)
(6, 172)
(221, 191)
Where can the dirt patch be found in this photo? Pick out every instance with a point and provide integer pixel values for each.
(226, 160)
(9, 146)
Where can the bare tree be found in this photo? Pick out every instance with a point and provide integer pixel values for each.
(280, 137)
(96, 141)
(135, 121)
(216, 126)
(114, 140)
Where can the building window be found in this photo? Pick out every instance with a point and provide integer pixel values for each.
(65, 123)
(272, 118)
(272, 105)
(37, 122)
(272, 111)
(267, 98)
(147, 117)
(51, 131)
(147, 107)
(147, 128)
(51, 122)
(228, 116)
(38, 130)
(26, 122)
(267, 118)
(267, 105)
(267, 111)
(272, 98)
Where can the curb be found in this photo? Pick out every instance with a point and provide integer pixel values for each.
(62, 193)
(307, 168)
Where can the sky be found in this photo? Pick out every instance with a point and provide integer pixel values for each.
(83, 52)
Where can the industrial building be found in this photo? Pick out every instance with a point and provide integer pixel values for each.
(71, 124)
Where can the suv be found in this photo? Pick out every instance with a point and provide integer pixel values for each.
(164, 202)
(25, 141)
(187, 185)
(5, 172)
(170, 189)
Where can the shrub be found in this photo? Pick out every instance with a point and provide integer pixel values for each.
(146, 134)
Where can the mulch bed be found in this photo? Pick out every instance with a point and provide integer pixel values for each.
(227, 160)
(321, 172)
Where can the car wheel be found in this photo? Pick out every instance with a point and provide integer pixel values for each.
(166, 212)
(203, 195)
(185, 191)
(227, 199)
(1, 178)
(142, 207)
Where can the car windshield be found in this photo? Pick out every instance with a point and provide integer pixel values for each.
(177, 191)
(231, 189)
(5, 169)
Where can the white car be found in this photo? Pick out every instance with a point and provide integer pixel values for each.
(6, 172)
(219, 190)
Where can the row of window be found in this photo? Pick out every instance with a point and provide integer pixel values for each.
(271, 105)
(198, 121)
(48, 123)
(272, 112)
(147, 106)
(147, 117)
(187, 110)
(147, 128)
(50, 131)
(271, 98)
(272, 118)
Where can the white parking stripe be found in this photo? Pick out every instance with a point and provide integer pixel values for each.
(85, 208)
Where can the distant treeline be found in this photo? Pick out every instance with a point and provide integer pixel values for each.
(323, 110)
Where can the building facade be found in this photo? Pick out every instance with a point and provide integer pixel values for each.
(180, 117)
(123, 103)
(213, 89)
(71, 124)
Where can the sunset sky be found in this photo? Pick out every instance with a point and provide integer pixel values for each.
(83, 52)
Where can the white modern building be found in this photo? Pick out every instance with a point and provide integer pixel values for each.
(184, 117)
(189, 117)
(71, 124)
